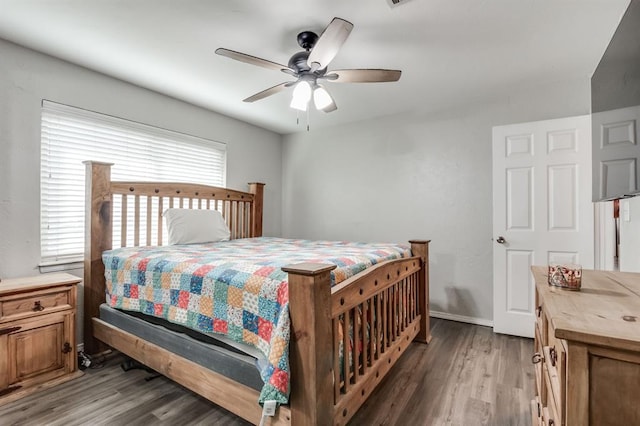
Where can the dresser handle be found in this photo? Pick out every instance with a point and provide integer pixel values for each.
(37, 306)
(536, 358)
(553, 355)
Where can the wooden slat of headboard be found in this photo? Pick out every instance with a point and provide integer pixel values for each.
(247, 210)
(231, 220)
(149, 206)
(160, 210)
(136, 221)
(123, 221)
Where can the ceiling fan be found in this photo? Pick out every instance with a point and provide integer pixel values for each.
(309, 67)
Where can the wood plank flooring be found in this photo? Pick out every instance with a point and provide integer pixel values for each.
(466, 376)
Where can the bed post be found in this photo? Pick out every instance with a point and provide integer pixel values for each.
(257, 189)
(310, 350)
(420, 248)
(96, 240)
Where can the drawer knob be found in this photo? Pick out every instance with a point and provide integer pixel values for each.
(37, 306)
(537, 358)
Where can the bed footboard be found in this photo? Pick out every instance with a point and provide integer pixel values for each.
(345, 339)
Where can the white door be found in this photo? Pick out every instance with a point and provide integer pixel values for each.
(542, 211)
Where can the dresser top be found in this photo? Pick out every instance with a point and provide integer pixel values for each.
(605, 312)
(10, 285)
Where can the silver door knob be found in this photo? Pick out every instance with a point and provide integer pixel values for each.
(501, 240)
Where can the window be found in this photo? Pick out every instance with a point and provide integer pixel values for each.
(139, 152)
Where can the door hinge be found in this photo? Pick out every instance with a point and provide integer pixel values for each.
(9, 330)
(66, 348)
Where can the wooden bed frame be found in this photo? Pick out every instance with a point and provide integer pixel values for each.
(386, 305)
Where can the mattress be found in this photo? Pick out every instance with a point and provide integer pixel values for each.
(205, 350)
(236, 288)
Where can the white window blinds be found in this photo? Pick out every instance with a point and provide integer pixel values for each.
(139, 152)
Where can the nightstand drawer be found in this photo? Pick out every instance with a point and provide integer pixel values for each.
(36, 303)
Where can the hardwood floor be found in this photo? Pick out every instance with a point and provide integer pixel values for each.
(466, 376)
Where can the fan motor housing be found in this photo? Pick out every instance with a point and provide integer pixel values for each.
(298, 62)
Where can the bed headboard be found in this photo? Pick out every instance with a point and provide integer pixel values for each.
(136, 209)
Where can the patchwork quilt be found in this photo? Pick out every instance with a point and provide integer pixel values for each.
(235, 288)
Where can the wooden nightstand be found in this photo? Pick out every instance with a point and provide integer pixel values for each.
(37, 333)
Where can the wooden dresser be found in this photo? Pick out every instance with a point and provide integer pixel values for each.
(587, 351)
(37, 333)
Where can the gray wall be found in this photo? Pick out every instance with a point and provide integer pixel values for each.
(27, 77)
(419, 175)
(416, 176)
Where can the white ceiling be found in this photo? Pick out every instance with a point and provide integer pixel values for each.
(451, 52)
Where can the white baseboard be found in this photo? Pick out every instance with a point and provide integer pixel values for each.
(461, 318)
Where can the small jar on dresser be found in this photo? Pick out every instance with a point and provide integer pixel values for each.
(37, 333)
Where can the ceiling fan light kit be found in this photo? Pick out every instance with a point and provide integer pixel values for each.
(321, 98)
(310, 65)
(301, 96)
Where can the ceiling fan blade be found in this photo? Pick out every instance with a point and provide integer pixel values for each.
(363, 76)
(329, 43)
(268, 92)
(253, 60)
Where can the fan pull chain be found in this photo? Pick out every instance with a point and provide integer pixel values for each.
(308, 119)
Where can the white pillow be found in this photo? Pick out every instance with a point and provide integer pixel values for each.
(186, 226)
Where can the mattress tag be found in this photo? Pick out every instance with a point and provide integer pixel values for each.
(269, 408)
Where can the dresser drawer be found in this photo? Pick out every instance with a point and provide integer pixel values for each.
(538, 365)
(556, 361)
(536, 412)
(548, 418)
(541, 320)
(35, 303)
(555, 385)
